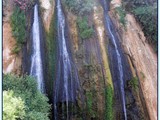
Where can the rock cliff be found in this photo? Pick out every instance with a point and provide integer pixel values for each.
(143, 58)
(91, 57)
(11, 62)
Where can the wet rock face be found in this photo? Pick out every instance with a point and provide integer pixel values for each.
(143, 59)
(130, 99)
(83, 53)
(87, 54)
(91, 58)
(134, 111)
(47, 8)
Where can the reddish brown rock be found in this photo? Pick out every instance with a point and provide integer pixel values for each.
(143, 58)
(11, 62)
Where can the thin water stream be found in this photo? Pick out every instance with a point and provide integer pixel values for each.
(36, 58)
(114, 39)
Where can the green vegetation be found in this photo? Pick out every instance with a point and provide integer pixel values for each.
(146, 14)
(16, 49)
(51, 55)
(13, 107)
(85, 30)
(122, 13)
(89, 96)
(109, 103)
(18, 23)
(134, 83)
(146, 18)
(80, 7)
(142, 74)
(25, 89)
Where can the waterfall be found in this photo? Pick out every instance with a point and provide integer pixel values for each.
(36, 59)
(114, 41)
(66, 83)
(120, 69)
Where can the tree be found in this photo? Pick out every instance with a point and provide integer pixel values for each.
(36, 103)
(13, 107)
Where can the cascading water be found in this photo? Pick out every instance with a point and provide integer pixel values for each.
(114, 41)
(66, 83)
(120, 69)
(36, 59)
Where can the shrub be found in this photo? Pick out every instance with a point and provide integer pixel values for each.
(13, 107)
(109, 103)
(134, 83)
(121, 12)
(25, 87)
(85, 30)
(18, 24)
(16, 49)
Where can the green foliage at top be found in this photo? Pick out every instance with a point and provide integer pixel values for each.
(36, 106)
(109, 103)
(145, 15)
(143, 10)
(13, 107)
(80, 7)
(122, 13)
(85, 30)
(18, 24)
(134, 83)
